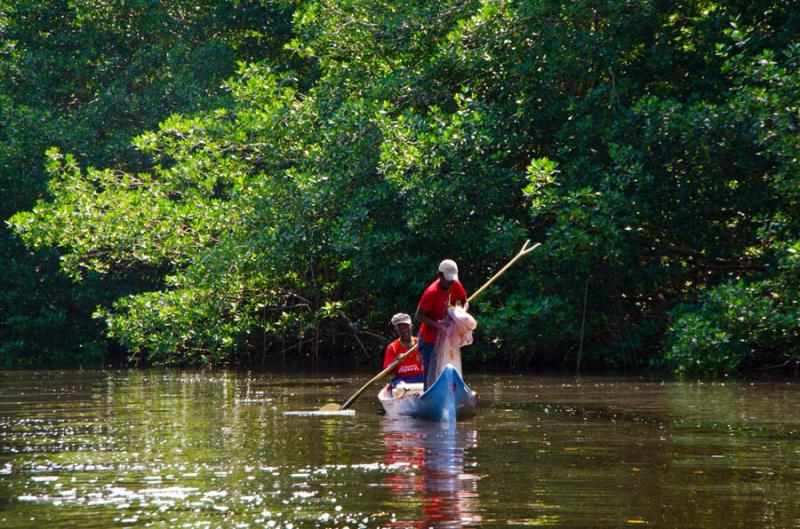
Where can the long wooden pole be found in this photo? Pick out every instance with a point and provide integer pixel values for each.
(583, 326)
(526, 249)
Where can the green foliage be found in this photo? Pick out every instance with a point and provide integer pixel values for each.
(86, 77)
(525, 331)
(652, 146)
(755, 320)
(734, 326)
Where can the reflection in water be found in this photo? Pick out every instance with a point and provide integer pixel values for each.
(168, 449)
(434, 455)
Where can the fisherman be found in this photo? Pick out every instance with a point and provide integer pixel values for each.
(409, 370)
(445, 292)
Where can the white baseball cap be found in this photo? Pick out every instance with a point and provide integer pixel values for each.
(449, 268)
(401, 317)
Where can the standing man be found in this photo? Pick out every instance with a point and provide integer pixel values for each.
(409, 369)
(446, 291)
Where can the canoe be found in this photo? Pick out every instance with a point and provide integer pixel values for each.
(448, 399)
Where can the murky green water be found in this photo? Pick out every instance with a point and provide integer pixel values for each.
(205, 450)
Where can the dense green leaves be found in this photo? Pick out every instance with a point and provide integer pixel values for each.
(86, 77)
(651, 146)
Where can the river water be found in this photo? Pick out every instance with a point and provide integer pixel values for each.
(213, 449)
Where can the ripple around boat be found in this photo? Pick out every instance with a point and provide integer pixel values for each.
(448, 399)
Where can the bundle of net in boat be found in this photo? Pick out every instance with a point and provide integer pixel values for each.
(459, 325)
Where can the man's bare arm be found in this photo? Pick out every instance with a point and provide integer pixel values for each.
(423, 316)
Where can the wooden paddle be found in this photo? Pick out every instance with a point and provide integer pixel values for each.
(333, 407)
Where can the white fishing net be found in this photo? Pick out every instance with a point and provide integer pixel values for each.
(459, 325)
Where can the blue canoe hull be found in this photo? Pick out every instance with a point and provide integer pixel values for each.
(448, 399)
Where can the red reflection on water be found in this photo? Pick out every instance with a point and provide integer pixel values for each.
(430, 459)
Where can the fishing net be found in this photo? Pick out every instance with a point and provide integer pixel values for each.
(459, 325)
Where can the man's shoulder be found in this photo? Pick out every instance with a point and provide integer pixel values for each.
(433, 287)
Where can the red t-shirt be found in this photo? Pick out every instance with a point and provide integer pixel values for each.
(434, 303)
(409, 366)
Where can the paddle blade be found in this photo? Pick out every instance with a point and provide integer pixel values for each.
(331, 409)
(320, 413)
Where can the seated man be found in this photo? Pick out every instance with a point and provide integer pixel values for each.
(409, 370)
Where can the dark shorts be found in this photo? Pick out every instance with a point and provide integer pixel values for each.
(426, 351)
(408, 380)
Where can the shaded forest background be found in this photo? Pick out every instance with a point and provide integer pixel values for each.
(198, 182)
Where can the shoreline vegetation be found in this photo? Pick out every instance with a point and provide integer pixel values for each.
(238, 183)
